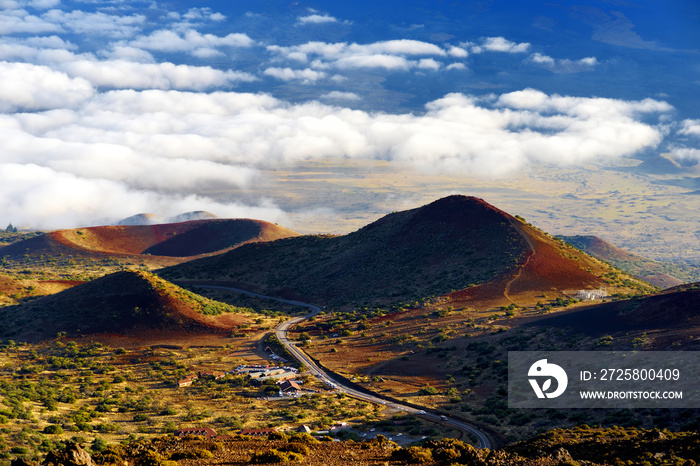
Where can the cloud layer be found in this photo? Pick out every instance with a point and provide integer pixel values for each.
(108, 113)
(118, 151)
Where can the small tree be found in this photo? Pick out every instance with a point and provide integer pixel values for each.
(98, 445)
(53, 429)
(428, 390)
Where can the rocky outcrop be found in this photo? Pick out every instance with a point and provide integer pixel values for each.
(72, 455)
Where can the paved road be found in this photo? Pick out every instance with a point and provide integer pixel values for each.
(281, 334)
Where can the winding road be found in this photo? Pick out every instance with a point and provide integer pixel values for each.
(281, 334)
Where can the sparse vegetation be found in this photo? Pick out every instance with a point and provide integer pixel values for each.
(72, 393)
(409, 324)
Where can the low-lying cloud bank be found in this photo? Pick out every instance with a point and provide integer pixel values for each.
(101, 156)
(113, 112)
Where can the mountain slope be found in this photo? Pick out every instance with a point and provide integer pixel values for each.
(184, 239)
(142, 219)
(448, 245)
(124, 303)
(660, 165)
(663, 275)
(669, 313)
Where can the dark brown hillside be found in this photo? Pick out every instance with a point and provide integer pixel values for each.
(127, 303)
(171, 239)
(663, 275)
(672, 310)
(547, 269)
(449, 245)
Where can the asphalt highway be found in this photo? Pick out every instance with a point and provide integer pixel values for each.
(281, 334)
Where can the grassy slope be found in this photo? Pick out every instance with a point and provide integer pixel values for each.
(463, 355)
(450, 244)
(120, 302)
(86, 253)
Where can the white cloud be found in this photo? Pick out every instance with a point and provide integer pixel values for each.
(340, 96)
(429, 64)
(456, 66)
(542, 59)
(690, 128)
(680, 151)
(123, 74)
(563, 65)
(29, 87)
(334, 51)
(49, 42)
(501, 44)
(398, 47)
(389, 55)
(394, 55)
(189, 41)
(589, 108)
(458, 52)
(139, 146)
(206, 13)
(686, 154)
(316, 19)
(43, 4)
(77, 151)
(98, 23)
(20, 21)
(287, 74)
(496, 44)
(44, 198)
(133, 54)
(388, 62)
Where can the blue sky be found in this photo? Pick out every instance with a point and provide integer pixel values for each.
(108, 109)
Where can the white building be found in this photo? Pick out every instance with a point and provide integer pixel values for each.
(589, 295)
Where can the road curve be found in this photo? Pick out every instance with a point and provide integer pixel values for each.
(281, 334)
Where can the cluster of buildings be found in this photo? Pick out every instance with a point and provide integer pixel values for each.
(261, 374)
(258, 374)
(590, 295)
(210, 433)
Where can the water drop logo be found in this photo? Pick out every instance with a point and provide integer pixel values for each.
(546, 371)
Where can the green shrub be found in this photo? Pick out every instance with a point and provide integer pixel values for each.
(152, 458)
(277, 436)
(303, 438)
(98, 445)
(413, 455)
(297, 448)
(53, 429)
(169, 427)
(428, 390)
